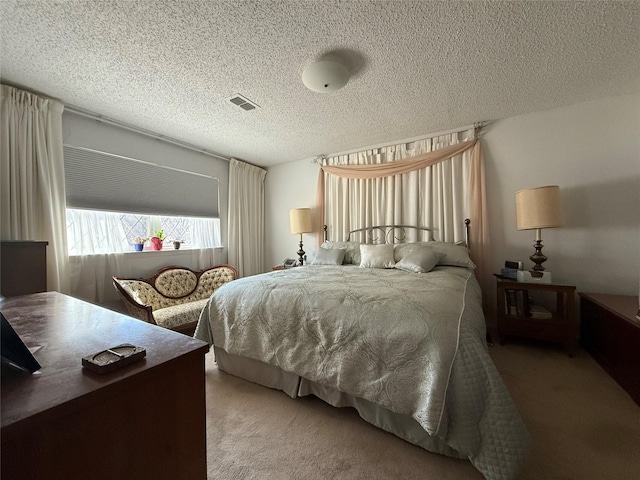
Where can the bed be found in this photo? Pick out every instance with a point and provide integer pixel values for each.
(402, 341)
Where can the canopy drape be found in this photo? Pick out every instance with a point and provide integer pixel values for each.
(475, 191)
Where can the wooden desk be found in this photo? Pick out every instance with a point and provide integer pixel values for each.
(610, 332)
(146, 420)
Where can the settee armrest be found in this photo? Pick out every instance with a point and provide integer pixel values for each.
(135, 308)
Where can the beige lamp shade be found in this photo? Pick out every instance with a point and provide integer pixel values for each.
(538, 208)
(300, 220)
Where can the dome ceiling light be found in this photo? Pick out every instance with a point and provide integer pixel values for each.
(325, 76)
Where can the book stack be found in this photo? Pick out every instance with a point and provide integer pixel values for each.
(517, 302)
(510, 269)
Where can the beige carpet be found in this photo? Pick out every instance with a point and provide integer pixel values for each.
(583, 426)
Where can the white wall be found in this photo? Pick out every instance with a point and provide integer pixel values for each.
(85, 132)
(287, 186)
(591, 150)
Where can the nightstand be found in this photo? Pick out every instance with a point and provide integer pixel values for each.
(515, 318)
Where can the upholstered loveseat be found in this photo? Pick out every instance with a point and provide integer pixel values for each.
(174, 297)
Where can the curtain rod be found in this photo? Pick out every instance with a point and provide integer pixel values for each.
(149, 133)
(398, 142)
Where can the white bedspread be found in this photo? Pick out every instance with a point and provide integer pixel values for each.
(387, 336)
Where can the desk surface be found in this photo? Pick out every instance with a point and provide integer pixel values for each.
(68, 329)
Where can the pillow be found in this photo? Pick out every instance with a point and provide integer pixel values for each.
(329, 256)
(420, 260)
(454, 255)
(352, 250)
(376, 256)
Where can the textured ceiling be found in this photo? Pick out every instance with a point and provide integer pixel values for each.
(416, 67)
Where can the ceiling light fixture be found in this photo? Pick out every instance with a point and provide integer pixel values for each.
(325, 76)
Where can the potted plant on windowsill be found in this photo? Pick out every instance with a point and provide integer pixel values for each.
(156, 240)
(177, 243)
(138, 243)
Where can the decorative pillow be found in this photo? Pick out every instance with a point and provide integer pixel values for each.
(352, 250)
(329, 256)
(376, 256)
(454, 255)
(420, 260)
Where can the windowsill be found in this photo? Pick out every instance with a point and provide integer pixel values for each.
(148, 252)
(170, 249)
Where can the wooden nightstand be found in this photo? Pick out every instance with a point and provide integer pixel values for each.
(561, 327)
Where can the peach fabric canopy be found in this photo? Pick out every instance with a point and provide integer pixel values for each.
(476, 200)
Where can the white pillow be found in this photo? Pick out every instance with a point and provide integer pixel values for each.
(351, 249)
(376, 256)
(328, 256)
(454, 255)
(420, 260)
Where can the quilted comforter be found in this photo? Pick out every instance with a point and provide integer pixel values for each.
(387, 336)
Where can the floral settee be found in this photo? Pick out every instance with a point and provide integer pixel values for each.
(174, 297)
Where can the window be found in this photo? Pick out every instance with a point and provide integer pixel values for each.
(112, 199)
(100, 232)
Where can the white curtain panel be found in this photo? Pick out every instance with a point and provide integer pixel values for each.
(32, 196)
(246, 217)
(433, 197)
(92, 232)
(205, 233)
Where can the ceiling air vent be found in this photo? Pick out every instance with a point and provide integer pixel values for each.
(243, 102)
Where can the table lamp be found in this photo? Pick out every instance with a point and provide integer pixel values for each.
(538, 208)
(300, 222)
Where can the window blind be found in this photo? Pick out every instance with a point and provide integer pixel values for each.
(104, 181)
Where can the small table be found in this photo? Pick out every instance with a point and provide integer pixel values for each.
(561, 327)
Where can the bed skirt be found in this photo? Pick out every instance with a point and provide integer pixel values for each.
(402, 426)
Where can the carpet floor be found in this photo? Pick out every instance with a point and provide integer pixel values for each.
(583, 426)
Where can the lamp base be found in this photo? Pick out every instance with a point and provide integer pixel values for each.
(301, 253)
(538, 258)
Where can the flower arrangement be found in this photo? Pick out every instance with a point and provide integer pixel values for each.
(138, 243)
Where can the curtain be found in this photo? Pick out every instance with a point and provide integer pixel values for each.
(246, 217)
(434, 183)
(32, 198)
(205, 232)
(93, 232)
